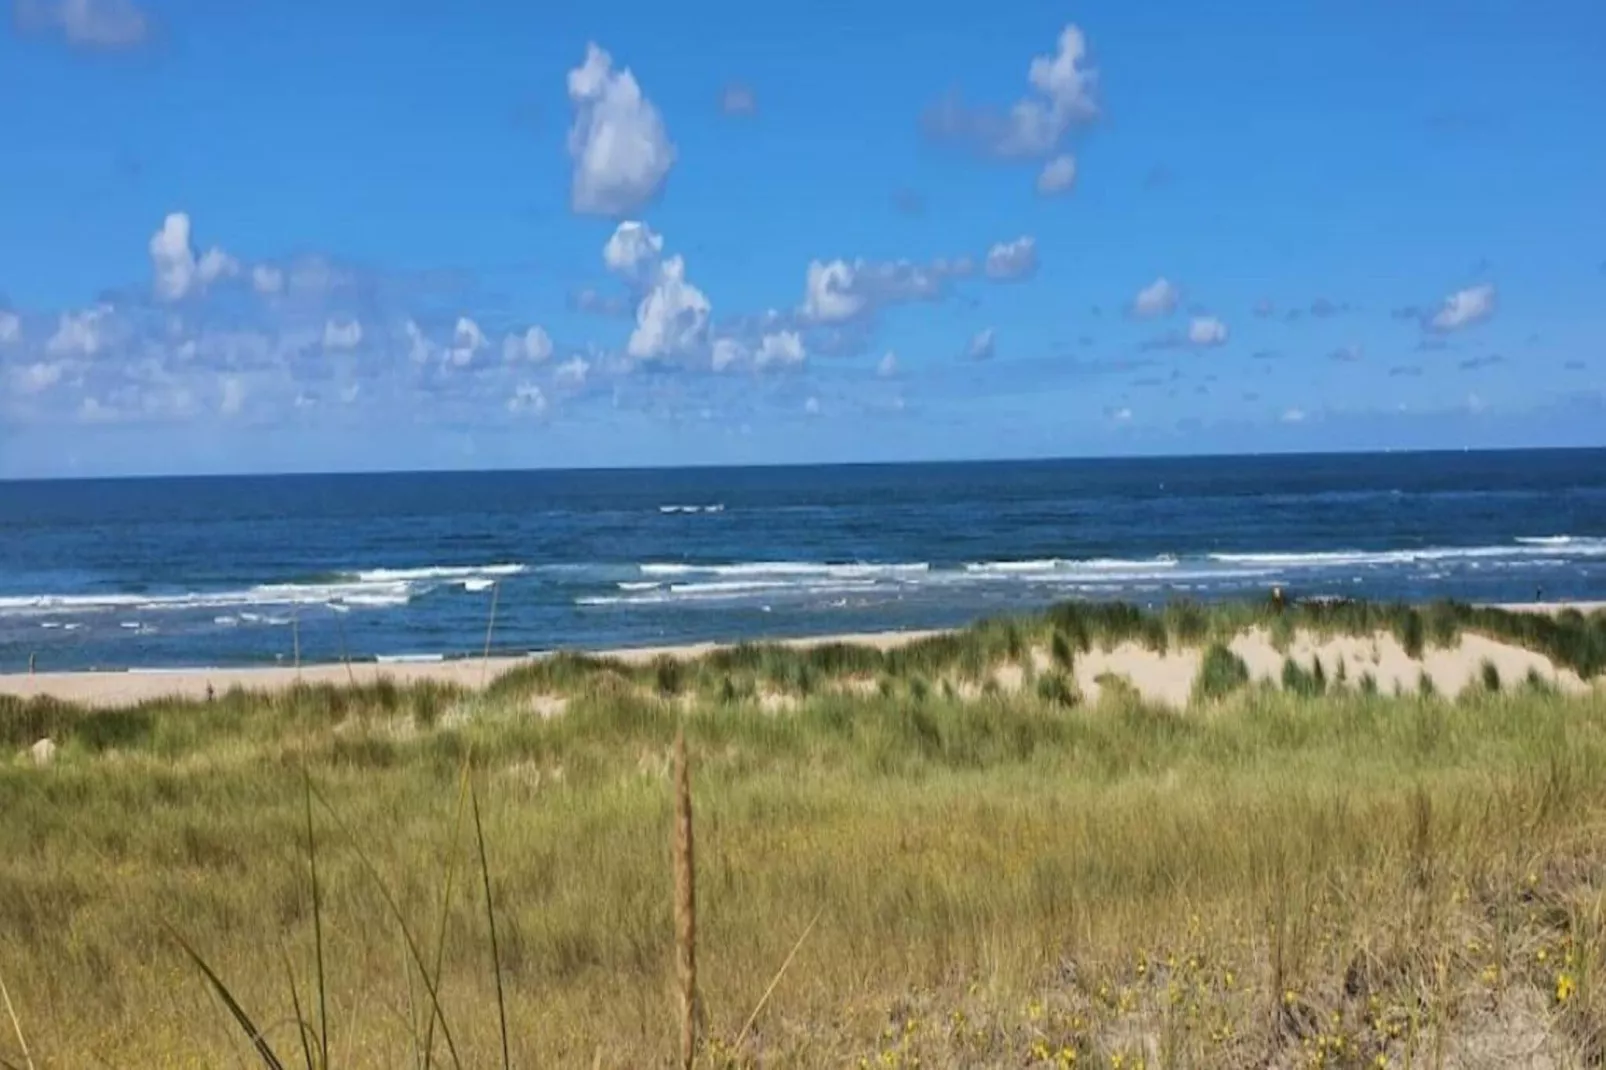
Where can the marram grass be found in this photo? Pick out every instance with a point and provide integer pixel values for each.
(384, 876)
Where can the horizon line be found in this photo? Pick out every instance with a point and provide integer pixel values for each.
(796, 465)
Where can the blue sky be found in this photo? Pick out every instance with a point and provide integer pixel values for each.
(297, 236)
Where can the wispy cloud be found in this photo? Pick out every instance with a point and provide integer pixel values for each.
(99, 25)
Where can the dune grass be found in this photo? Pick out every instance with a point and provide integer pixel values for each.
(986, 877)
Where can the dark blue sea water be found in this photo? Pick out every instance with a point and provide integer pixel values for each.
(226, 571)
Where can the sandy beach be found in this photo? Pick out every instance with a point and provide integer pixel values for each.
(120, 688)
(1165, 678)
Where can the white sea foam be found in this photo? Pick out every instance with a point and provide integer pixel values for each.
(785, 568)
(368, 589)
(715, 508)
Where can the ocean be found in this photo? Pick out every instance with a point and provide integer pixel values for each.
(150, 573)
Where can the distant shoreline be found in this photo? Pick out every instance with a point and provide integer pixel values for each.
(120, 687)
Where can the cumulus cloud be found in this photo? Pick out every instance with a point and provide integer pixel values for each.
(346, 334)
(839, 290)
(534, 346)
(887, 367)
(79, 335)
(527, 400)
(1159, 298)
(467, 341)
(38, 377)
(1061, 96)
(103, 25)
(621, 150)
(1206, 331)
(1057, 175)
(828, 292)
(177, 271)
(572, 372)
(672, 318)
(1464, 308)
(633, 250)
(267, 280)
(725, 353)
(981, 345)
(1008, 261)
(738, 100)
(781, 349)
(10, 327)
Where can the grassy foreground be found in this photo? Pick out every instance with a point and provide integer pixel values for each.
(995, 877)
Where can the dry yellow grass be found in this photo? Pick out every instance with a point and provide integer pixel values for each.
(1012, 878)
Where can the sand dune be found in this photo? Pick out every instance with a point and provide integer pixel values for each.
(1166, 678)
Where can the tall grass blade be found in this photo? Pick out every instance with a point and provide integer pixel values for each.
(302, 1026)
(413, 952)
(16, 1026)
(490, 917)
(450, 882)
(776, 980)
(685, 905)
(317, 931)
(253, 1034)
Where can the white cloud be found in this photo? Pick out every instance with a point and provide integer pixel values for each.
(419, 348)
(1121, 416)
(171, 257)
(726, 352)
(177, 272)
(828, 295)
(572, 372)
(99, 24)
(1159, 298)
(981, 345)
(738, 100)
(812, 406)
(10, 327)
(672, 318)
(267, 280)
(1033, 127)
(633, 250)
(79, 335)
(37, 377)
(1007, 261)
(343, 334)
(528, 400)
(618, 142)
(533, 346)
(1206, 331)
(467, 340)
(887, 367)
(784, 349)
(1294, 416)
(233, 398)
(1464, 308)
(1057, 175)
(215, 264)
(350, 392)
(838, 291)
